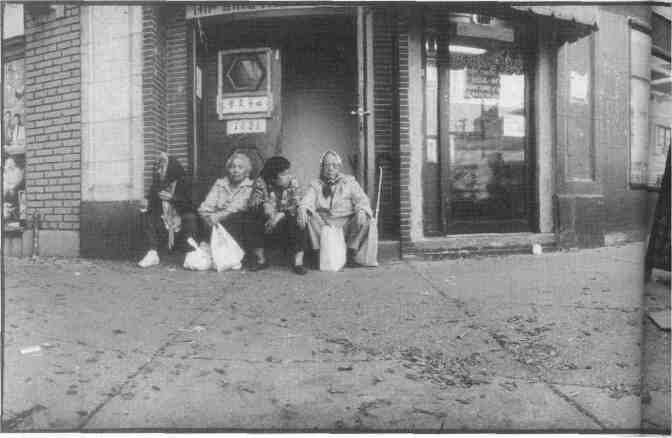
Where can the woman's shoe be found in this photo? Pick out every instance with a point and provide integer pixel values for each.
(150, 259)
(300, 269)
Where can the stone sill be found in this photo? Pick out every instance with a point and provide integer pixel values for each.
(484, 243)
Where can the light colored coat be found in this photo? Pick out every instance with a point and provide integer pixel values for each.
(224, 198)
(347, 199)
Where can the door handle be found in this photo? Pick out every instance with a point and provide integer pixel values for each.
(360, 112)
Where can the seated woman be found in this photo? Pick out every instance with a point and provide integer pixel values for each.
(228, 203)
(277, 194)
(336, 199)
(168, 207)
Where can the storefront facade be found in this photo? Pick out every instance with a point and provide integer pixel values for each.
(495, 127)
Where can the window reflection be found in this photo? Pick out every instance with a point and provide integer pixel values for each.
(487, 139)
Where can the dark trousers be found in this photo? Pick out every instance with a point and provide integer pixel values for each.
(288, 234)
(156, 232)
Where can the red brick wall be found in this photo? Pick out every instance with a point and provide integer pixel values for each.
(53, 125)
(179, 85)
(154, 96)
(386, 118)
(404, 137)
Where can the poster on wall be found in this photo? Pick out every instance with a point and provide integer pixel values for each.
(13, 144)
(244, 84)
(660, 144)
(639, 132)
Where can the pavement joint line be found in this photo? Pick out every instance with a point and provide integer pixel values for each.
(172, 336)
(576, 405)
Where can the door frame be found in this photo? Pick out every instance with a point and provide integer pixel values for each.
(364, 111)
(531, 155)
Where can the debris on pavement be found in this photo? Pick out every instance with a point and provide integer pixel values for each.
(348, 347)
(438, 368)
(345, 368)
(196, 328)
(537, 249)
(509, 385)
(31, 349)
(331, 390)
(365, 407)
(439, 415)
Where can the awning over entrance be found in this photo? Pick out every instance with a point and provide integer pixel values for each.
(572, 22)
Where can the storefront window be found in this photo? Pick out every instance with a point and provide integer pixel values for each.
(487, 150)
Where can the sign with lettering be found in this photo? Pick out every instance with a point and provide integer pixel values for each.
(482, 84)
(244, 104)
(486, 31)
(200, 11)
(246, 126)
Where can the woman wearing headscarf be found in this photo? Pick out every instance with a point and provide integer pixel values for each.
(336, 199)
(169, 207)
(228, 203)
(276, 196)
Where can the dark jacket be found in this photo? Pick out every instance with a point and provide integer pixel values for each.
(182, 195)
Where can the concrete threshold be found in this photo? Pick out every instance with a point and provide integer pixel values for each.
(463, 245)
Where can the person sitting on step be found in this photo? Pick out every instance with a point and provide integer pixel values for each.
(336, 199)
(168, 208)
(228, 203)
(276, 196)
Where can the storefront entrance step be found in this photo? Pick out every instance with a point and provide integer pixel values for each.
(465, 245)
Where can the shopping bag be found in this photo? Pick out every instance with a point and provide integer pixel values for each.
(199, 259)
(226, 253)
(332, 248)
(368, 253)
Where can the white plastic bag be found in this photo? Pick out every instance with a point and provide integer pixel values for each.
(199, 259)
(332, 248)
(226, 253)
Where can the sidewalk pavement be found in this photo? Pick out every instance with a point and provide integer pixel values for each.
(656, 407)
(521, 342)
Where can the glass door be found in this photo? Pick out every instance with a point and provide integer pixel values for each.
(488, 184)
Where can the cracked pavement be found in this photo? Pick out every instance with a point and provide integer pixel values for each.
(517, 342)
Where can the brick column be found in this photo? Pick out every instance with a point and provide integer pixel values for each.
(154, 92)
(53, 124)
(178, 85)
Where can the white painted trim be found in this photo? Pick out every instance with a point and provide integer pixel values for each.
(415, 126)
(544, 135)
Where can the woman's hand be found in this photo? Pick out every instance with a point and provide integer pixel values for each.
(302, 216)
(165, 196)
(215, 218)
(273, 221)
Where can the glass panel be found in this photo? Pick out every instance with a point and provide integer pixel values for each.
(488, 137)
